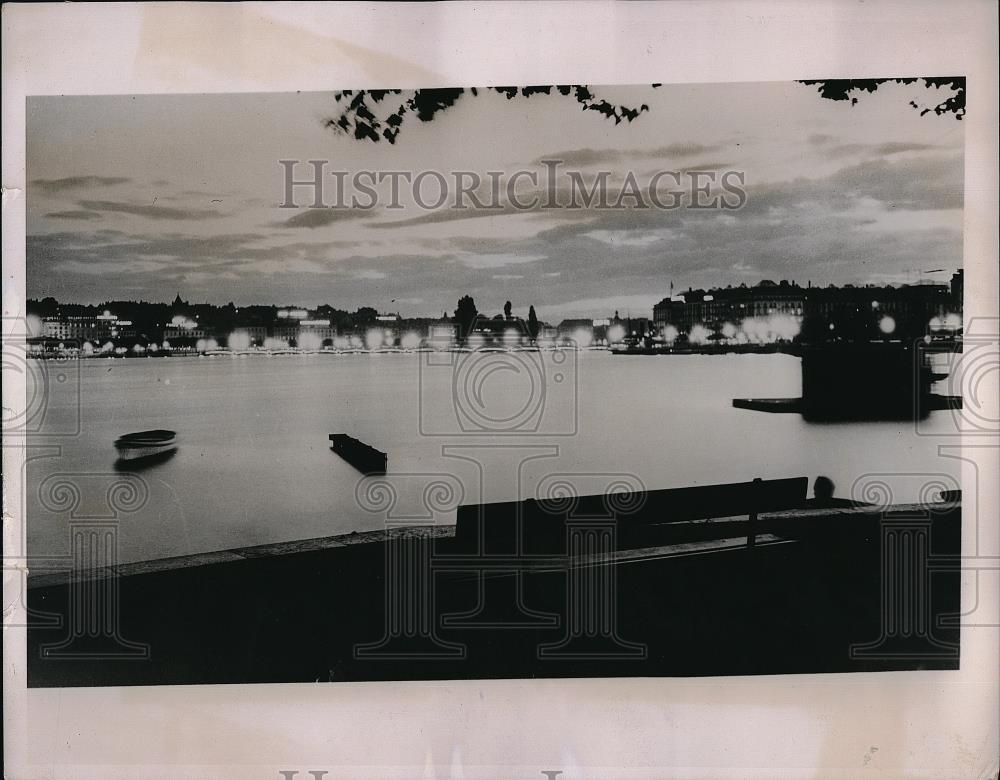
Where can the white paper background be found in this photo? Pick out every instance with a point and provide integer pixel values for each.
(887, 725)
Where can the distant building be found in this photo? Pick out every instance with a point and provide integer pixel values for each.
(958, 288)
(252, 335)
(850, 308)
(174, 333)
(714, 308)
(99, 329)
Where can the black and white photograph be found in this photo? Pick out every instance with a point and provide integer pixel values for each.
(630, 386)
(532, 382)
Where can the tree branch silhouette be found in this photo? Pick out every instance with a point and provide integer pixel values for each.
(850, 89)
(360, 118)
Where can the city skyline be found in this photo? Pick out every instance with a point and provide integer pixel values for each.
(136, 197)
(447, 312)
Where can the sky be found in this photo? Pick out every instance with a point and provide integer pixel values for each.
(150, 196)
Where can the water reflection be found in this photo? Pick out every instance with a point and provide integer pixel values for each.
(136, 465)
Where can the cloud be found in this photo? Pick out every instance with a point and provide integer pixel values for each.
(499, 260)
(314, 218)
(878, 150)
(151, 211)
(449, 215)
(896, 147)
(53, 186)
(684, 150)
(583, 157)
(918, 184)
(628, 238)
(591, 157)
(85, 215)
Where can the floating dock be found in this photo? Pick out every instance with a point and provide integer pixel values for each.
(363, 457)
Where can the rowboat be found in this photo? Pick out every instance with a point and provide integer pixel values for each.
(145, 444)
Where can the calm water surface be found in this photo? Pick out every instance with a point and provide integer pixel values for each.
(254, 464)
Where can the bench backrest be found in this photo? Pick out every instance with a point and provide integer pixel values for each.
(498, 527)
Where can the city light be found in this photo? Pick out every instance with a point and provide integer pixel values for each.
(583, 337)
(616, 334)
(239, 340)
(767, 330)
(699, 334)
(511, 338)
(475, 341)
(410, 340)
(309, 340)
(180, 321)
(374, 338)
(442, 337)
(887, 325)
(670, 334)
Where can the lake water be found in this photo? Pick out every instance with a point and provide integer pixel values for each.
(254, 464)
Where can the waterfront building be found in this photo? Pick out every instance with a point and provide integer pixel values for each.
(248, 336)
(98, 329)
(825, 312)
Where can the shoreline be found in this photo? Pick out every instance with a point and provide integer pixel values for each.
(270, 550)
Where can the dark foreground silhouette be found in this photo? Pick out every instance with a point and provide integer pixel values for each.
(748, 578)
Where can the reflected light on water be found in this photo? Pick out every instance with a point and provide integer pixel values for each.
(254, 465)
